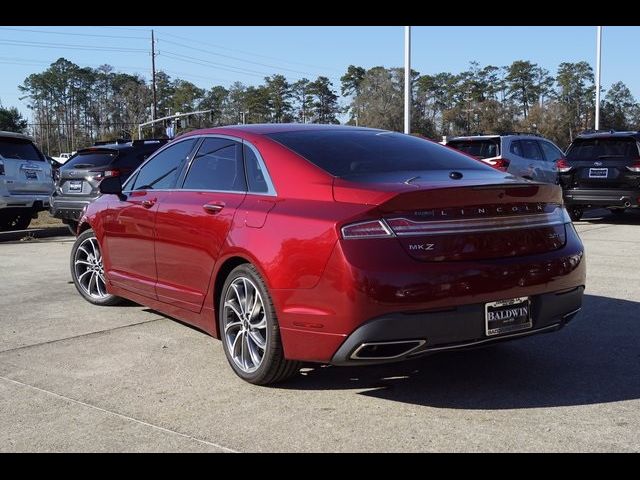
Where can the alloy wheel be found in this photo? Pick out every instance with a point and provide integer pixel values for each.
(245, 324)
(89, 270)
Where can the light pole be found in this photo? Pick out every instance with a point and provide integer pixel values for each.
(598, 71)
(407, 80)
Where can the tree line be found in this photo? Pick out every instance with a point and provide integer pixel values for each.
(73, 106)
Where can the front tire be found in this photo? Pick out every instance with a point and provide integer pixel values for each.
(87, 270)
(249, 329)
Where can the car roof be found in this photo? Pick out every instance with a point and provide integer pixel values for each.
(473, 137)
(122, 145)
(267, 128)
(4, 134)
(609, 134)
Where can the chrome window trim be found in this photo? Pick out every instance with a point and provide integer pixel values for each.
(271, 192)
(151, 157)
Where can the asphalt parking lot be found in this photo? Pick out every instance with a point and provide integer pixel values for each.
(74, 377)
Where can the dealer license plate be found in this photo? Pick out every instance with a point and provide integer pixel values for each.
(505, 316)
(598, 172)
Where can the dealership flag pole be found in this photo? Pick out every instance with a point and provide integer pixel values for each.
(407, 79)
(598, 71)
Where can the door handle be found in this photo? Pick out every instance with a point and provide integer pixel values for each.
(213, 207)
(149, 203)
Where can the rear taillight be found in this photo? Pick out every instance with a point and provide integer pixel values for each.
(499, 163)
(635, 167)
(563, 166)
(1, 167)
(369, 229)
(105, 174)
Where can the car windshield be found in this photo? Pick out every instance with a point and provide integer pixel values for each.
(91, 159)
(603, 148)
(359, 152)
(19, 149)
(479, 148)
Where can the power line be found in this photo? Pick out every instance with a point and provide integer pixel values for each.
(235, 58)
(321, 68)
(15, 29)
(96, 48)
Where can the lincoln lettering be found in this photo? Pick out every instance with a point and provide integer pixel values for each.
(507, 314)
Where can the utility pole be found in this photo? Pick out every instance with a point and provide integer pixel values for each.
(407, 79)
(598, 71)
(153, 76)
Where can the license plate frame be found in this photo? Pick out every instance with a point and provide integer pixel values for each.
(31, 174)
(517, 316)
(598, 173)
(75, 186)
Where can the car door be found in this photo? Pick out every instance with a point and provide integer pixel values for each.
(193, 221)
(551, 155)
(130, 221)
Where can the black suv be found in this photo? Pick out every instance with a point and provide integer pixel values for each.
(602, 169)
(77, 180)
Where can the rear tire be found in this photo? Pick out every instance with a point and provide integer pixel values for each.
(249, 329)
(87, 270)
(15, 221)
(576, 213)
(72, 225)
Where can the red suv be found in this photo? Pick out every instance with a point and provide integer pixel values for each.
(331, 244)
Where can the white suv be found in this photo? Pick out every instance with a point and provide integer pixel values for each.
(25, 181)
(522, 154)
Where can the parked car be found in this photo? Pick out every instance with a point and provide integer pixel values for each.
(25, 181)
(522, 154)
(331, 244)
(76, 182)
(602, 169)
(63, 157)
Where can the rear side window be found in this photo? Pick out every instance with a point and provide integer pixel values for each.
(19, 149)
(217, 166)
(255, 175)
(531, 150)
(91, 159)
(485, 148)
(603, 148)
(360, 152)
(551, 152)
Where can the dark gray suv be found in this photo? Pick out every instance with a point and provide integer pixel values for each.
(76, 182)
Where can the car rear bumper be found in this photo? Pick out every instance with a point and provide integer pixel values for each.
(411, 335)
(41, 202)
(602, 197)
(68, 209)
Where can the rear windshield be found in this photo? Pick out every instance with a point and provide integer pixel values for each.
(603, 148)
(91, 159)
(19, 149)
(358, 152)
(485, 148)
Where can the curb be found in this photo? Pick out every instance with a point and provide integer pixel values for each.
(17, 235)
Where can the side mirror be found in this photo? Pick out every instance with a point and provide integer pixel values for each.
(111, 185)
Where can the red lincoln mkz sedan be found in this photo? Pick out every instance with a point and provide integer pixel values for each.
(331, 244)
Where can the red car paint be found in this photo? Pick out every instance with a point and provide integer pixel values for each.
(164, 250)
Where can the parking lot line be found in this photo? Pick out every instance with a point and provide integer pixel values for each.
(88, 334)
(119, 415)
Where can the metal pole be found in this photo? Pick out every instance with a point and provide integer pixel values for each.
(407, 79)
(598, 72)
(153, 75)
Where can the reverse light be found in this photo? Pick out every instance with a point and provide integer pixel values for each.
(635, 168)
(563, 166)
(369, 229)
(499, 163)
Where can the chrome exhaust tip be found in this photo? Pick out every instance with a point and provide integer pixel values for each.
(386, 350)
